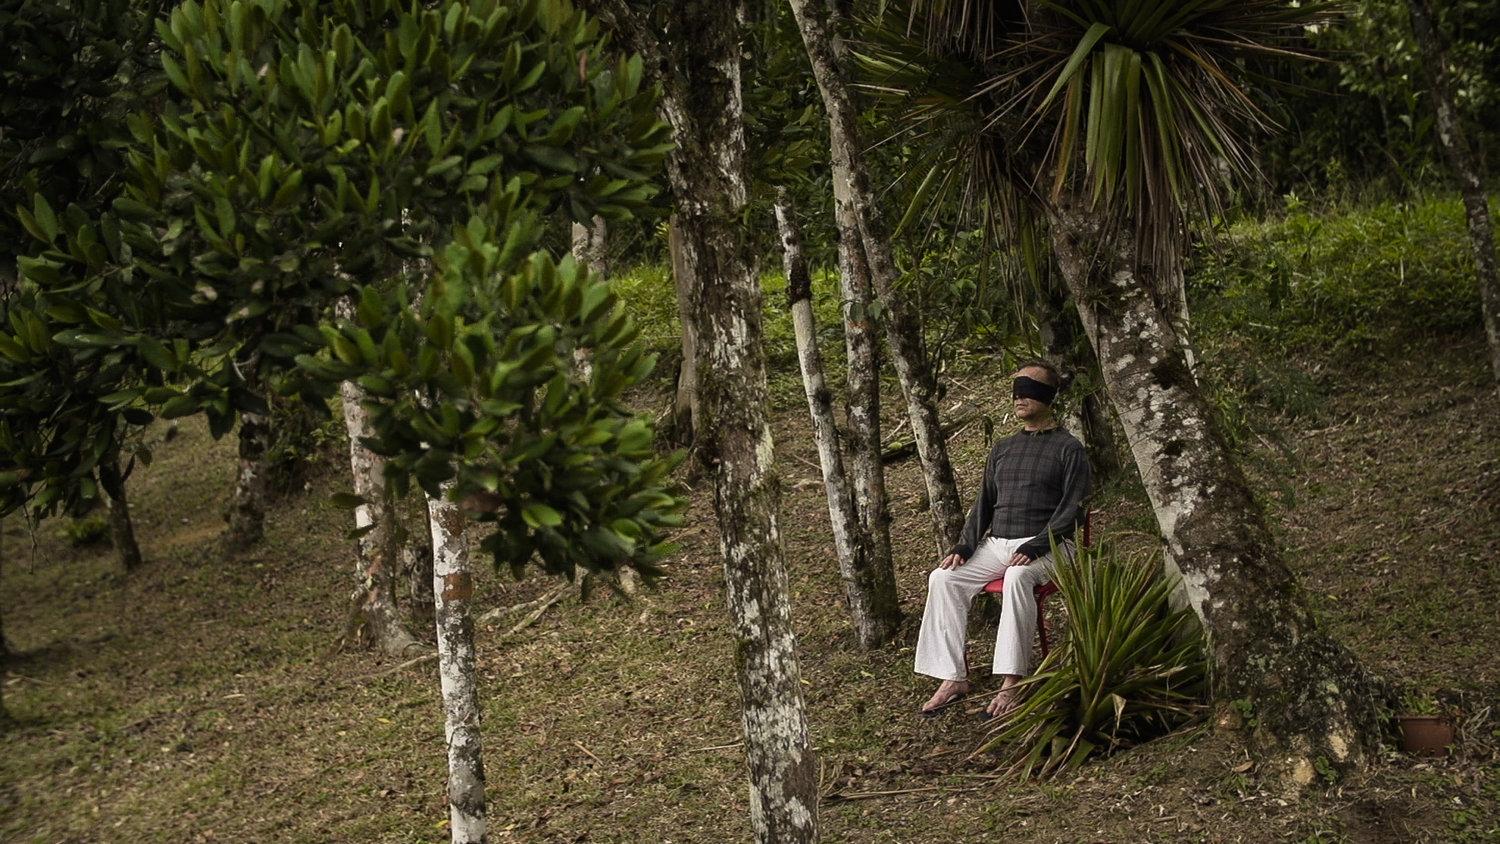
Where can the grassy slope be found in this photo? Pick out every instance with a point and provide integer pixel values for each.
(202, 698)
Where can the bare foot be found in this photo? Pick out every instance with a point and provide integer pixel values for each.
(1005, 703)
(948, 692)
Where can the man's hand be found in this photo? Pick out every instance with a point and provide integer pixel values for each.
(1019, 560)
(952, 561)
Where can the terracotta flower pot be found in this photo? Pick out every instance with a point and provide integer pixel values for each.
(1424, 735)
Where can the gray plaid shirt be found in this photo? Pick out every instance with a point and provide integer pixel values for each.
(1034, 485)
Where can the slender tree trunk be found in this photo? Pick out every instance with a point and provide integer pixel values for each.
(1470, 180)
(1313, 702)
(122, 531)
(903, 327)
(869, 589)
(453, 584)
(372, 613)
(416, 563)
(698, 65)
(590, 245)
(685, 410)
(862, 382)
(247, 515)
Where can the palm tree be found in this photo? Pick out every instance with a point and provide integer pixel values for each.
(1111, 125)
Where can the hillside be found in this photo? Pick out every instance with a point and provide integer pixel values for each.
(203, 698)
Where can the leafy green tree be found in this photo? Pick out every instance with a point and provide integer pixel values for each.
(68, 75)
(1113, 125)
(314, 150)
(1365, 121)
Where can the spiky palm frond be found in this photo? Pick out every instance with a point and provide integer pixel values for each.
(1128, 669)
(1143, 106)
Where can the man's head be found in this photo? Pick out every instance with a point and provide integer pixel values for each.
(1035, 386)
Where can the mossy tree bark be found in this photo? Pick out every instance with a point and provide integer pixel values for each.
(247, 513)
(697, 61)
(1314, 704)
(862, 386)
(908, 347)
(373, 613)
(869, 582)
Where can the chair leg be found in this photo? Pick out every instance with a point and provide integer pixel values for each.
(1041, 625)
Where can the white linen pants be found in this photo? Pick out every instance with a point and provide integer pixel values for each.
(950, 592)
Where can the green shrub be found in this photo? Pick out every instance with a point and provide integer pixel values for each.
(1129, 668)
(84, 532)
(1340, 279)
(650, 297)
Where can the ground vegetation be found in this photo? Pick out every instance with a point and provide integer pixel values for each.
(194, 700)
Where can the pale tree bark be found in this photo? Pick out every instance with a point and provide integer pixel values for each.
(903, 327)
(373, 614)
(862, 385)
(1470, 180)
(247, 513)
(685, 407)
(453, 584)
(869, 587)
(706, 173)
(1312, 701)
(590, 244)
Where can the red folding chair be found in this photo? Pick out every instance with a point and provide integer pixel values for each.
(997, 587)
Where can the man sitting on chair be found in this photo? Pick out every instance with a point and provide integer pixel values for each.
(1033, 490)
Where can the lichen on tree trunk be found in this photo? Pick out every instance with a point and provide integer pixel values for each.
(247, 514)
(1314, 707)
(453, 585)
(908, 347)
(372, 612)
(869, 582)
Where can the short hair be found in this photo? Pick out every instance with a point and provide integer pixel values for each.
(1053, 379)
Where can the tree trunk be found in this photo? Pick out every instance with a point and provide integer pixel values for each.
(1312, 702)
(903, 328)
(373, 612)
(1470, 180)
(685, 408)
(862, 383)
(1088, 414)
(247, 515)
(590, 244)
(416, 564)
(453, 584)
(698, 67)
(869, 588)
(122, 531)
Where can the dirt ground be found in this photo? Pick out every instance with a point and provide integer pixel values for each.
(204, 698)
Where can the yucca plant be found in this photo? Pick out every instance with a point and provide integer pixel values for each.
(1130, 667)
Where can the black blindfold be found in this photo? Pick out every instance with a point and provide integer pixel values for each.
(1030, 388)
